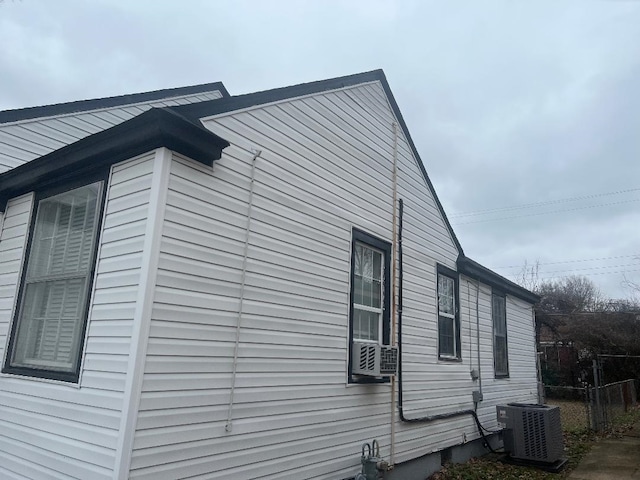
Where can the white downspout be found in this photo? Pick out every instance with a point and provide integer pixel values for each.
(229, 426)
(394, 297)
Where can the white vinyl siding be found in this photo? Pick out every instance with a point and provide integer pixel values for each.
(521, 385)
(325, 167)
(25, 140)
(13, 239)
(59, 431)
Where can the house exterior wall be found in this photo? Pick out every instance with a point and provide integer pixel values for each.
(57, 430)
(521, 385)
(325, 167)
(25, 140)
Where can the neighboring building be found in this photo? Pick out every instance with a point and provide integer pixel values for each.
(182, 290)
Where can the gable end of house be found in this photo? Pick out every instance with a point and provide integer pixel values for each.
(198, 111)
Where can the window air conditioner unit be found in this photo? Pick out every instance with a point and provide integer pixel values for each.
(532, 432)
(374, 360)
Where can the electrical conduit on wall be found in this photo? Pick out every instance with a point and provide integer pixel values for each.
(429, 418)
(229, 425)
(394, 285)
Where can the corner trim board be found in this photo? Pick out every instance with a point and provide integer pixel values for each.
(144, 307)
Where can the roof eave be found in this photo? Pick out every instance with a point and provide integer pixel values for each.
(152, 129)
(473, 269)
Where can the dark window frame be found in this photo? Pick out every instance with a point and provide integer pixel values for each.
(495, 294)
(452, 274)
(101, 175)
(360, 236)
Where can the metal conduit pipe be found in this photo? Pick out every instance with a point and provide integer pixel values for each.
(229, 426)
(478, 337)
(429, 418)
(394, 285)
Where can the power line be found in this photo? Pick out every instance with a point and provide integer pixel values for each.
(542, 272)
(539, 204)
(547, 213)
(571, 261)
(589, 274)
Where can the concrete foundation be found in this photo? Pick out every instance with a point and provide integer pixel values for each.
(422, 467)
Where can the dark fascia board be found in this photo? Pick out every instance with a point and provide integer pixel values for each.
(196, 111)
(107, 102)
(473, 269)
(155, 128)
(200, 110)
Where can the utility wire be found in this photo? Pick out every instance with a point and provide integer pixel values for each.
(539, 204)
(547, 213)
(588, 274)
(591, 268)
(570, 261)
(545, 272)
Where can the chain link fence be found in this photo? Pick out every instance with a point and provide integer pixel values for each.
(583, 408)
(575, 411)
(609, 402)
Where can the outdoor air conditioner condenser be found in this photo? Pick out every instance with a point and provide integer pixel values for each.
(532, 432)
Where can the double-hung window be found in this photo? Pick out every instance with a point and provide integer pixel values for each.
(370, 290)
(48, 327)
(368, 293)
(500, 353)
(448, 319)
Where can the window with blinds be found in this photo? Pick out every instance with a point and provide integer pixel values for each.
(53, 298)
(500, 353)
(447, 326)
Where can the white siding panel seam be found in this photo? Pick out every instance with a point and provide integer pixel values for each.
(144, 304)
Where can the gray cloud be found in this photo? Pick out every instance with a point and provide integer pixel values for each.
(508, 102)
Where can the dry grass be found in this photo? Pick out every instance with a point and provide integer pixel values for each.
(577, 443)
(574, 415)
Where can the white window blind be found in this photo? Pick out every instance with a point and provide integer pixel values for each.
(56, 283)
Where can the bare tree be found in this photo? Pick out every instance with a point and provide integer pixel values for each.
(569, 295)
(529, 276)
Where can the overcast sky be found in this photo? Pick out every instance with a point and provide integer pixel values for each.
(509, 103)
